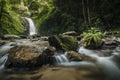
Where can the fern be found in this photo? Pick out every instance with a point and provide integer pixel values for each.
(93, 37)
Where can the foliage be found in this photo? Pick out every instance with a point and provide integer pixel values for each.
(58, 16)
(10, 22)
(34, 5)
(63, 42)
(93, 38)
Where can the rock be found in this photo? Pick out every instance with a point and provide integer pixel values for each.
(23, 36)
(88, 58)
(29, 57)
(111, 42)
(32, 36)
(26, 25)
(7, 36)
(41, 43)
(79, 38)
(73, 56)
(44, 38)
(70, 33)
(63, 42)
(49, 51)
(2, 42)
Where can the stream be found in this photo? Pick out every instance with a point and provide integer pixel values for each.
(103, 60)
(105, 64)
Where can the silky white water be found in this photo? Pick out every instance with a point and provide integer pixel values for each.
(105, 64)
(61, 58)
(32, 28)
(3, 60)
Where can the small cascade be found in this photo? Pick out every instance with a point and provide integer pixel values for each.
(32, 28)
(5, 48)
(61, 58)
(3, 61)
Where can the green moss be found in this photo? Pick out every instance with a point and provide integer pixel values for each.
(68, 43)
(10, 22)
(63, 42)
(34, 5)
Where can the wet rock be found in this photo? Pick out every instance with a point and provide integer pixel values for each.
(70, 33)
(26, 25)
(111, 42)
(73, 56)
(2, 42)
(79, 38)
(7, 36)
(63, 42)
(23, 36)
(88, 58)
(29, 57)
(49, 51)
(44, 38)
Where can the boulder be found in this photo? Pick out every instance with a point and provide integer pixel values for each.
(73, 56)
(29, 57)
(63, 42)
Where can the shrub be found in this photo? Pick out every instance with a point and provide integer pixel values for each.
(93, 38)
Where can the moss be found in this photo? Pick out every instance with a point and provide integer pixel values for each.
(34, 5)
(68, 43)
(63, 42)
(10, 22)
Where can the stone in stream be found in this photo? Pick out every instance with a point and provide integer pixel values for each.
(74, 56)
(2, 42)
(63, 42)
(29, 57)
(111, 42)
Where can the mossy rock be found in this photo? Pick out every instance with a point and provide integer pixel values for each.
(74, 56)
(63, 42)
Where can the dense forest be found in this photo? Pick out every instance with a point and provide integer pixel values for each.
(57, 16)
(59, 39)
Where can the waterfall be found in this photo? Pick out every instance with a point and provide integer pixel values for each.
(32, 28)
(61, 58)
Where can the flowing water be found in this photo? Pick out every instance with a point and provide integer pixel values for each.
(4, 54)
(5, 48)
(32, 28)
(61, 58)
(104, 63)
(3, 60)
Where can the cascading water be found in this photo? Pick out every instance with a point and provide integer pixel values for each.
(4, 54)
(32, 28)
(5, 48)
(61, 58)
(106, 65)
(3, 61)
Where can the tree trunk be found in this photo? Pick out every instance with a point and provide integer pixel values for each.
(88, 13)
(84, 15)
